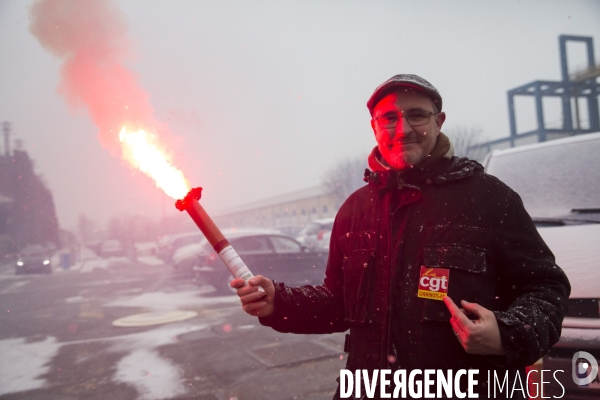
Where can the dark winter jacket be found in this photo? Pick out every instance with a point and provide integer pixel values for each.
(447, 213)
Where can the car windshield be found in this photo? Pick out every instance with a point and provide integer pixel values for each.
(285, 245)
(34, 250)
(252, 244)
(205, 247)
(309, 229)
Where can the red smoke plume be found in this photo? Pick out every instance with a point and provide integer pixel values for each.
(90, 37)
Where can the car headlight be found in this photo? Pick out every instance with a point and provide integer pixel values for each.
(46, 262)
(20, 263)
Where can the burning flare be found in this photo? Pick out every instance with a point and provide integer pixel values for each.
(90, 38)
(143, 152)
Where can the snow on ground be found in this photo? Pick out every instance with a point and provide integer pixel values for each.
(152, 376)
(146, 248)
(104, 263)
(89, 261)
(143, 368)
(160, 301)
(90, 265)
(87, 254)
(150, 260)
(16, 375)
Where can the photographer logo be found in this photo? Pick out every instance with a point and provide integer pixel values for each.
(584, 368)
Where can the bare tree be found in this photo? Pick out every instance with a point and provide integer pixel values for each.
(345, 177)
(463, 137)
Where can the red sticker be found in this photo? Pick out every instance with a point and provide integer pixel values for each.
(433, 283)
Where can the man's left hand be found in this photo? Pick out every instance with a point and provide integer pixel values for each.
(480, 336)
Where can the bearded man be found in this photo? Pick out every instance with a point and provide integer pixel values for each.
(429, 230)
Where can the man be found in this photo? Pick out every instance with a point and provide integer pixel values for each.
(427, 231)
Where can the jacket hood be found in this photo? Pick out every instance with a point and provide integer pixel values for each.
(441, 166)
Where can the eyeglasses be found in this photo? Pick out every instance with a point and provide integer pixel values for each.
(414, 118)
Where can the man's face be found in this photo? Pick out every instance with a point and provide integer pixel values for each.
(405, 145)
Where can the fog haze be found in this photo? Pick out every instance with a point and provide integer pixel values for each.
(265, 96)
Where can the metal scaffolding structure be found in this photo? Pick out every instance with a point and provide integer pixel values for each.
(573, 87)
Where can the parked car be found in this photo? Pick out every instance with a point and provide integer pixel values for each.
(94, 245)
(111, 248)
(315, 235)
(34, 258)
(290, 230)
(145, 249)
(168, 244)
(559, 184)
(184, 258)
(271, 254)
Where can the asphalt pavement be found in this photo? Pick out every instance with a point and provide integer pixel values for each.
(57, 340)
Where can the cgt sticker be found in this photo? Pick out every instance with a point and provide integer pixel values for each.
(433, 283)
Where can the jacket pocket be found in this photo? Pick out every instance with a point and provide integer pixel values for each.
(453, 256)
(359, 273)
(467, 279)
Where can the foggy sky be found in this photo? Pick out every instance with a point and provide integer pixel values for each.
(265, 96)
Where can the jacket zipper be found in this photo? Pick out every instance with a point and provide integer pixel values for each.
(385, 363)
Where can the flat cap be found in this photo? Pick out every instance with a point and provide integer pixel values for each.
(404, 80)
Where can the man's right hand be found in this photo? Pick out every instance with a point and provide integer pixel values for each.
(255, 303)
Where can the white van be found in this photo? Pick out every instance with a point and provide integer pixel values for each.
(559, 182)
